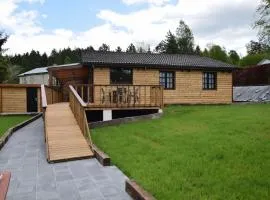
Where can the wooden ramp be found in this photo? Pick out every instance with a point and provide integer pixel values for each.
(64, 137)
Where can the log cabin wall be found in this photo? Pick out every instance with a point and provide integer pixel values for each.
(69, 76)
(13, 98)
(188, 85)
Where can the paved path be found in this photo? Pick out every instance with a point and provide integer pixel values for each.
(33, 178)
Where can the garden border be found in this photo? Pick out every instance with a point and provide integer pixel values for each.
(124, 120)
(102, 157)
(5, 137)
(136, 191)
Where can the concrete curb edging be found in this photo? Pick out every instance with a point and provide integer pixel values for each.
(102, 157)
(10, 131)
(19, 114)
(124, 120)
(136, 191)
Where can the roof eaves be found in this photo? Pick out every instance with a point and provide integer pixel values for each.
(198, 67)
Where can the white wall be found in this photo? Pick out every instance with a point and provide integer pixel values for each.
(35, 79)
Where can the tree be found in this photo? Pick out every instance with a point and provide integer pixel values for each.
(234, 57)
(131, 49)
(44, 60)
(3, 68)
(184, 38)
(3, 40)
(218, 53)
(169, 45)
(205, 52)
(104, 47)
(12, 73)
(161, 47)
(253, 59)
(257, 47)
(263, 22)
(3, 60)
(67, 60)
(89, 49)
(198, 50)
(118, 49)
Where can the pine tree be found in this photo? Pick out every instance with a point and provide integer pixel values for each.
(171, 45)
(198, 50)
(184, 38)
(118, 49)
(234, 57)
(205, 53)
(104, 47)
(131, 49)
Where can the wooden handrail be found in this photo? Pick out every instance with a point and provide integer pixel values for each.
(43, 97)
(115, 85)
(78, 109)
(77, 96)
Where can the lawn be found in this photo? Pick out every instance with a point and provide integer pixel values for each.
(7, 122)
(196, 152)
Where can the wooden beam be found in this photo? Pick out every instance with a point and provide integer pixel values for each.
(43, 97)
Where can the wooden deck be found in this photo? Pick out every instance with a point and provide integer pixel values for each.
(64, 138)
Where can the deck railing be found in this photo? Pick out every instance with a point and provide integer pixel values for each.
(53, 94)
(44, 107)
(121, 96)
(78, 106)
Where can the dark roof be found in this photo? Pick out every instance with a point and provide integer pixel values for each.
(178, 61)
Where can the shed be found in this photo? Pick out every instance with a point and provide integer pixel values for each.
(35, 76)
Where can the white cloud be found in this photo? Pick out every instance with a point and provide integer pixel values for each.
(223, 22)
(152, 2)
(44, 16)
(23, 22)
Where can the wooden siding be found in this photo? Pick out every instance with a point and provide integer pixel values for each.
(13, 99)
(101, 76)
(188, 86)
(188, 89)
(69, 76)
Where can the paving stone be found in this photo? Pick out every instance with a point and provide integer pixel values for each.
(108, 191)
(67, 190)
(85, 184)
(93, 195)
(33, 178)
(63, 176)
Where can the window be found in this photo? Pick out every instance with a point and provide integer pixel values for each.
(209, 80)
(121, 76)
(167, 80)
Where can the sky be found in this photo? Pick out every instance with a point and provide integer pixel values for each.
(47, 24)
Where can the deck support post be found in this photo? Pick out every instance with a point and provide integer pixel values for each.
(107, 115)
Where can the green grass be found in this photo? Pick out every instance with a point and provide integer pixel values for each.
(196, 152)
(7, 122)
